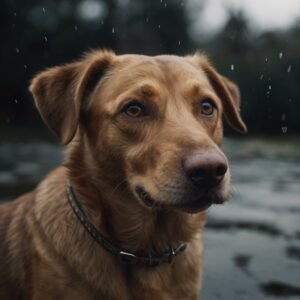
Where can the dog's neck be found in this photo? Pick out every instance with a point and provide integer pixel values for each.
(116, 213)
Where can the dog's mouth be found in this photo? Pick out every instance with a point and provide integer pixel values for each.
(195, 205)
(146, 198)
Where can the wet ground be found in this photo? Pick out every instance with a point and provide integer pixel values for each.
(252, 243)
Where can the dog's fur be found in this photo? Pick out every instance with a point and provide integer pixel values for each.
(45, 253)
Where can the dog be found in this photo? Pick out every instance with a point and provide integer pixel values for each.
(122, 217)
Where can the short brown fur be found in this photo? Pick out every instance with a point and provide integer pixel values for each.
(45, 253)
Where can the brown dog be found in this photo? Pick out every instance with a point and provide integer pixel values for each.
(143, 164)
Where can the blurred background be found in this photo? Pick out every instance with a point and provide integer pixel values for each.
(252, 243)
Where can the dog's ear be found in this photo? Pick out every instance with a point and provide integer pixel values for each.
(61, 92)
(228, 92)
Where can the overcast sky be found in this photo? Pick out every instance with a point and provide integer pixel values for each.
(263, 14)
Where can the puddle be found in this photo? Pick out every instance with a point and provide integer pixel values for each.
(280, 289)
(262, 228)
(293, 252)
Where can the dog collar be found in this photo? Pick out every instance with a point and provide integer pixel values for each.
(125, 257)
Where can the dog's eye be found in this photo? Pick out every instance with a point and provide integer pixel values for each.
(134, 110)
(207, 107)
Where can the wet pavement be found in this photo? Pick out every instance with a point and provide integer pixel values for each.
(252, 244)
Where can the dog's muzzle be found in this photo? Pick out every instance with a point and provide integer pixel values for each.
(190, 204)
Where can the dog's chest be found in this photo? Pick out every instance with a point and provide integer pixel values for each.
(58, 283)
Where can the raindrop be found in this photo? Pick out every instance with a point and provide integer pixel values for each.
(280, 55)
(147, 20)
(261, 77)
(25, 66)
(75, 28)
(161, 1)
(17, 50)
(159, 26)
(113, 30)
(270, 87)
(179, 42)
(16, 101)
(46, 39)
(166, 4)
(289, 68)
(266, 59)
(284, 129)
(44, 10)
(283, 117)
(232, 67)
(15, 14)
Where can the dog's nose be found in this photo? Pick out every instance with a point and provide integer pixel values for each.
(205, 169)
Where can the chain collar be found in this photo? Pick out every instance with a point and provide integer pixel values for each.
(125, 257)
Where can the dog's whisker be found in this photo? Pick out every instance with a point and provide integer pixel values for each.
(116, 187)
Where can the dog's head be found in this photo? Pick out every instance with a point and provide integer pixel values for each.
(152, 122)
